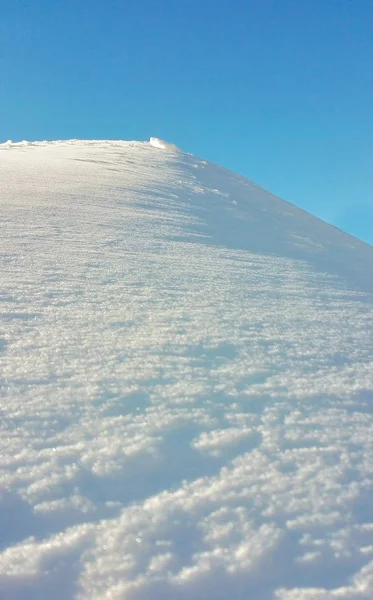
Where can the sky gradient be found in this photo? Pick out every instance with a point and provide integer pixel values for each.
(280, 92)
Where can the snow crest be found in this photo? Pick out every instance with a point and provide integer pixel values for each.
(186, 384)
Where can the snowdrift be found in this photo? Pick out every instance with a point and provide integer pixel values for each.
(186, 383)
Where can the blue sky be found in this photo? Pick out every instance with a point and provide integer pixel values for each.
(280, 91)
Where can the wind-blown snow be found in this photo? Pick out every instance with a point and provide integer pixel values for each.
(186, 384)
(157, 143)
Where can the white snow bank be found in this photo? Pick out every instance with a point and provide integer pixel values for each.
(157, 143)
(186, 384)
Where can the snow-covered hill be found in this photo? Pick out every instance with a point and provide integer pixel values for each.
(186, 380)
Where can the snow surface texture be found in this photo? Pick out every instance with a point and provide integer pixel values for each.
(186, 384)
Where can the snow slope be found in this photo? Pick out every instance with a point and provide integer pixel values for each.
(186, 380)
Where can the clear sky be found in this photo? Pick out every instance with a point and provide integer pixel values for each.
(278, 90)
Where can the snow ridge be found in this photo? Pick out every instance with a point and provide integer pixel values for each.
(186, 384)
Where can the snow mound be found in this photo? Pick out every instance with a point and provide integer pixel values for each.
(186, 383)
(157, 143)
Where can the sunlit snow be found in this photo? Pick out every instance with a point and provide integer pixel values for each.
(186, 380)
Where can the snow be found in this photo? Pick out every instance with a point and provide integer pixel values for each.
(157, 143)
(186, 384)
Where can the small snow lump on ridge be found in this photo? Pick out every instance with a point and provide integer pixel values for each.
(157, 143)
